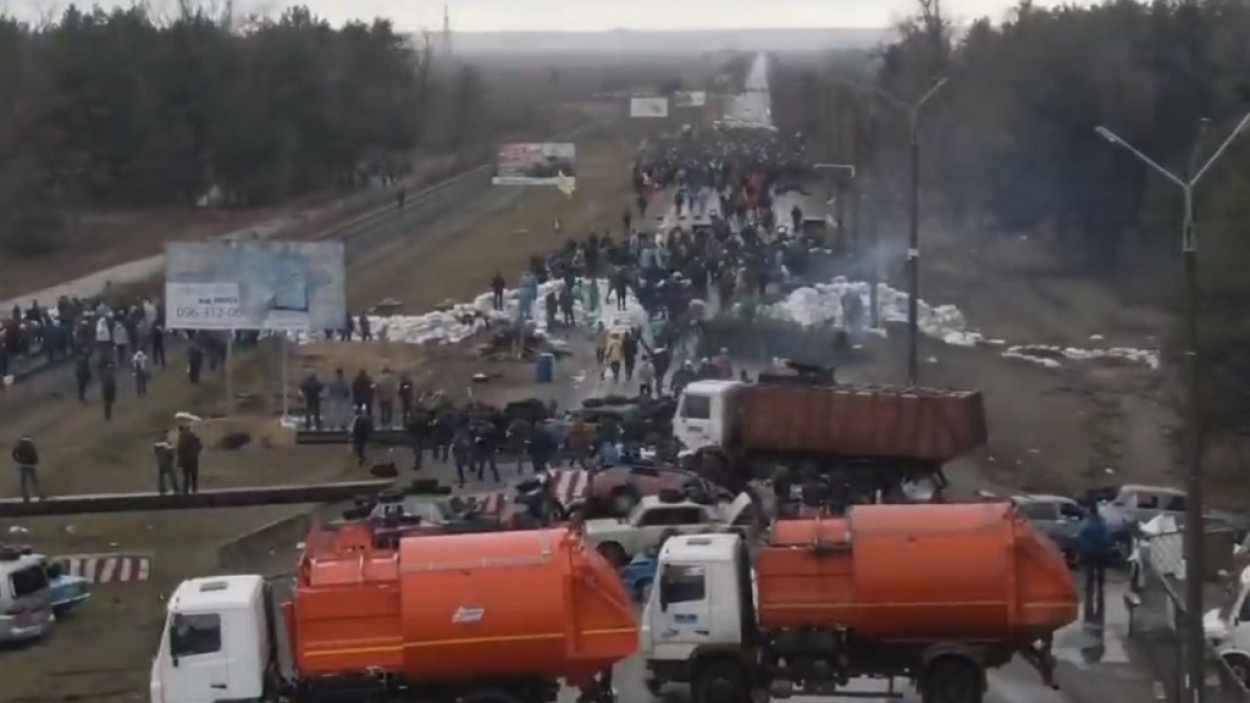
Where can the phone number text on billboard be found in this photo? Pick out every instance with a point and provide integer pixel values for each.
(206, 306)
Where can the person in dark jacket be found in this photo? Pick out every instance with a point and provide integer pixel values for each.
(188, 454)
(362, 432)
(26, 456)
(166, 479)
(108, 389)
(1094, 541)
(312, 388)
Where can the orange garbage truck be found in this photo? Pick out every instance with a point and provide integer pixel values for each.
(490, 617)
(930, 594)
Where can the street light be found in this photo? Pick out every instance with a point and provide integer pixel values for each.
(912, 110)
(1194, 637)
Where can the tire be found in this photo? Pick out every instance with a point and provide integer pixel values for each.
(614, 553)
(952, 679)
(1239, 665)
(719, 681)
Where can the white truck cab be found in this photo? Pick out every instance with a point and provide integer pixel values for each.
(704, 412)
(216, 643)
(704, 599)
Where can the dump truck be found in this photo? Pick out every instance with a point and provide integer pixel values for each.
(867, 439)
(823, 602)
(492, 617)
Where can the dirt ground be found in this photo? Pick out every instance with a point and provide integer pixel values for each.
(103, 653)
(1051, 429)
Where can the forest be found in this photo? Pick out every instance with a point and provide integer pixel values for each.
(122, 109)
(1009, 143)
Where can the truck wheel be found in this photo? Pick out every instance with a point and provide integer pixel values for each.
(718, 681)
(614, 553)
(1239, 666)
(952, 679)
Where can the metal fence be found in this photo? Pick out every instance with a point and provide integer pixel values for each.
(1158, 619)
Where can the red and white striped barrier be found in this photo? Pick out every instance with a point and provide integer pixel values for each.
(570, 486)
(107, 568)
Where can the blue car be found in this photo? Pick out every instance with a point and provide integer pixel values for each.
(68, 592)
(638, 575)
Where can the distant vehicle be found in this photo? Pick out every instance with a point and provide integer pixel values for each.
(655, 518)
(25, 598)
(1125, 506)
(1057, 517)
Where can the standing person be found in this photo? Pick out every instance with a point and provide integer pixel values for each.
(387, 390)
(1095, 546)
(108, 388)
(497, 286)
(340, 401)
(139, 365)
(614, 352)
(188, 451)
(646, 377)
(158, 344)
(26, 456)
(362, 393)
(82, 375)
(166, 480)
(311, 388)
(362, 432)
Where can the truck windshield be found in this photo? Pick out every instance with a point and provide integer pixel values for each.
(682, 584)
(192, 634)
(696, 407)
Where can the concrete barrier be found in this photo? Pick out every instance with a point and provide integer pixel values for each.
(269, 550)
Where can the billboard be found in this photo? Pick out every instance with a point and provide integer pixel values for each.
(648, 107)
(255, 285)
(690, 98)
(535, 164)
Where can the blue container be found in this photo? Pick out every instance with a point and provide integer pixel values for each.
(546, 368)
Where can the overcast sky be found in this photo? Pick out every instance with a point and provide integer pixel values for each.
(592, 15)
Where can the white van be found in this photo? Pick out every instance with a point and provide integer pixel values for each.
(25, 599)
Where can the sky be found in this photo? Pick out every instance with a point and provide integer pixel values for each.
(599, 15)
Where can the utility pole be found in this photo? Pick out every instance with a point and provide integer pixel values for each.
(1194, 638)
(912, 112)
(913, 238)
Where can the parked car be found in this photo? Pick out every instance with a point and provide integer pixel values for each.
(68, 591)
(614, 491)
(1127, 505)
(25, 598)
(1057, 517)
(655, 518)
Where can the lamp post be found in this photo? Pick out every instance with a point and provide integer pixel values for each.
(1194, 638)
(912, 110)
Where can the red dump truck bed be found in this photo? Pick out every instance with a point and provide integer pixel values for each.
(927, 424)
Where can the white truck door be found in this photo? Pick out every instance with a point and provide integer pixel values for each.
(681, 612)
(195, 667)
(696, 424)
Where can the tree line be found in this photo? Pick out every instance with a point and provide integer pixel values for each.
(1009, 143)
(119, 109)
